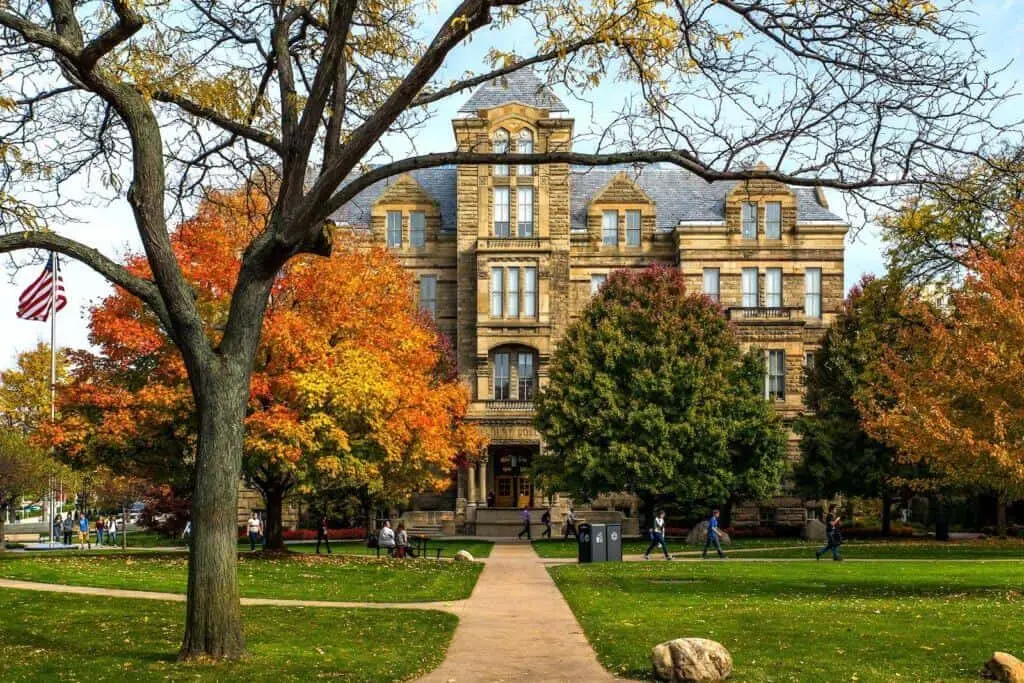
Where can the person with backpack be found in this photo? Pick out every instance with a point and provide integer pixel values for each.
(713, 536)
(658, 536)
(321, 535)
(833, 537)
(545, 519)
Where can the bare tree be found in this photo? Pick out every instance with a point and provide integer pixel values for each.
(158, 101)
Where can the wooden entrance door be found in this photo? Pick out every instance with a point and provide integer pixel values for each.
(512, 492)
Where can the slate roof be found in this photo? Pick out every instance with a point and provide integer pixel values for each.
(521, 86)
(678, 195)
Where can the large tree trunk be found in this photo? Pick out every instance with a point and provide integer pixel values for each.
(886, 513)
(213, 619)
(274, 527)
(1001, 505)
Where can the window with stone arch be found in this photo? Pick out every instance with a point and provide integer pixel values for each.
(525, 146)
(500, 146)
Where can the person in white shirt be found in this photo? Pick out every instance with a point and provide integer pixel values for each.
(658, 536)
(570, 523)
(112, 529)
(386, 539)
(254, 530)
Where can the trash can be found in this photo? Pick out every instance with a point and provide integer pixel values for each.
(583, 547)
(614, 543)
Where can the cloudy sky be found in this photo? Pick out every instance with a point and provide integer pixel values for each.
(109, 228)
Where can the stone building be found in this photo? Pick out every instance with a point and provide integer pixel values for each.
(506, 255)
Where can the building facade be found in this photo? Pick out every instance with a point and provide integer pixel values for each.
(505, 256)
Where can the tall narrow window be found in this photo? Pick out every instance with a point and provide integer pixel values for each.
(524, 211)
(776, 375)
(773, 220)
(525, 146)
(530, 292)
(428, 294)
(500, 146)
(394, 228)
(596, 281)
(812, 296)
(632, 228)
(808, 360)
(610, 228)
(526, 376)
(773, 288)
(417, 229)
(711, 286)
(501, 212)
(749, 288)
(501, 376)
(497, 291)
(512, 293)
(749, 221)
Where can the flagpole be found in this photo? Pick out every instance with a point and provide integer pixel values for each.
(53, 338)
(53, 359)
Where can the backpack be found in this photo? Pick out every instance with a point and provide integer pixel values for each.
(372, 541)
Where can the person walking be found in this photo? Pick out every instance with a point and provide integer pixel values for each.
(83, 532)
(254, 526)
(99, 532)
(545, 519)
(69, 526)
(714, 538)
(658, 536)
(570, 524)
(112, 529)
(833, 537)
(321, 535)
(524, 518)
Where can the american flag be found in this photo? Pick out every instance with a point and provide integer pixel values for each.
(34, 303)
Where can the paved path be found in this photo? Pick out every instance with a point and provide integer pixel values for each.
(516, 626)
(180, 597)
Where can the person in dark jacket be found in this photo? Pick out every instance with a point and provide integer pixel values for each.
(833, 535)
(321, 535)
(69, 527)
(545, 519)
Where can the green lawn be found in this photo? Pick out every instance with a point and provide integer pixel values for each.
(805, 621)
(477, 549)
(557, 549)
(297, 577)
(59, 637)
(910, 550)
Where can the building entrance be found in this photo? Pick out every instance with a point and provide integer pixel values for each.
(513, 484)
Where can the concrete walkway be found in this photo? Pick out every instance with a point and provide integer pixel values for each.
(516, 626)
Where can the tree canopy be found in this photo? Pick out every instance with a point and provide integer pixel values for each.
(650, 393)
(352, 385)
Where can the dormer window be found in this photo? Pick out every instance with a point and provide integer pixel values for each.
(749, 221)
(394, 229)
(500, 146)
(525, 146)
(773, 220)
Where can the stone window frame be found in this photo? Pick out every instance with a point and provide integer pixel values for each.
(432, 309)
(389, 229)
(513, 351)
(810, 295)
(716, 296)
(639, 231)
(513, 177)
(775, 375)
(521, 268)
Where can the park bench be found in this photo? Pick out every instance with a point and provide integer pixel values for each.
(21, 538)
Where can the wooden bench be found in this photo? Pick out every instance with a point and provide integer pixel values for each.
(21, 538)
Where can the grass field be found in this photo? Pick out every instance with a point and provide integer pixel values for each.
(300, 576)
(805, 621)
(909, 550)
(55, 637)
(478, 549)
(555, 549)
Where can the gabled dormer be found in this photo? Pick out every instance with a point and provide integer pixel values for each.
(404, 216)
(761, 211)
(621, 215)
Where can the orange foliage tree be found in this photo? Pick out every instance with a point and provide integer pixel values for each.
(352, 385)
(953, 398)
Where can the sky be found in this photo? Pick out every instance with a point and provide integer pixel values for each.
(109, 226)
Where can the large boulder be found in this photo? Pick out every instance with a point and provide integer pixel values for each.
(691, 659)
(814, 530)
(1004, 667)
(463, 556)
(699, 534)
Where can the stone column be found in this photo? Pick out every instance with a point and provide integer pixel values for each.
(483, 481)
(471, 479)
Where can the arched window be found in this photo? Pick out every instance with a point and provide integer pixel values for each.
(525, 146)
(500, 146)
